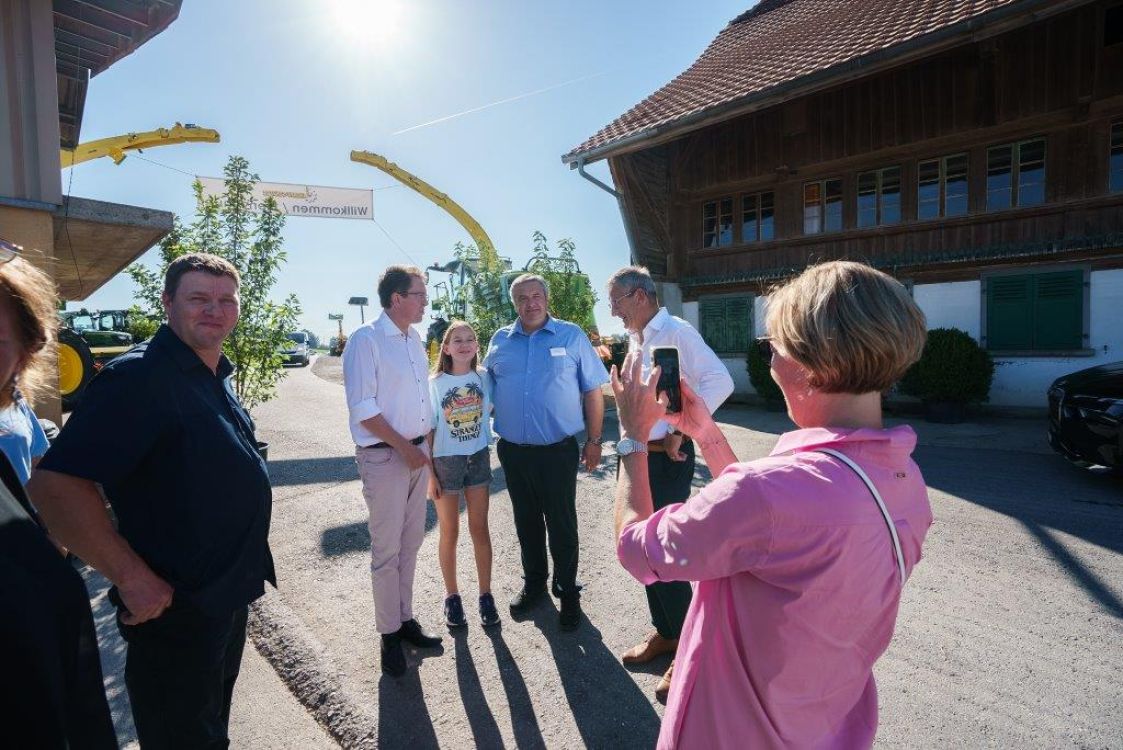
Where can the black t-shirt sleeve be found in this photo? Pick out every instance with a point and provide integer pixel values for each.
(118, 421)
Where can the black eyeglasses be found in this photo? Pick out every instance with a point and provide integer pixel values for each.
(8, 250)
(764, 347)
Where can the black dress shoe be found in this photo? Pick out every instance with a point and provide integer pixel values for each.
(411, 632)
(570, 616)
(527, 599)
(393, 658)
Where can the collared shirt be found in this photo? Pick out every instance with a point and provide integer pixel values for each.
(538, 380)
(176, 455)
(21, 437)
(386, 372)
(797, 590)
(698, 365)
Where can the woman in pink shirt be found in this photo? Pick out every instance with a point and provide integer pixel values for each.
(798, 569)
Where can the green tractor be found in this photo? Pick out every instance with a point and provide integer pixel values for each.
(86, 341)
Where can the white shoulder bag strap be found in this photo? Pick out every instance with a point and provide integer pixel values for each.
(880, 505)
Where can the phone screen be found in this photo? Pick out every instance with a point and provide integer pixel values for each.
(666, 358)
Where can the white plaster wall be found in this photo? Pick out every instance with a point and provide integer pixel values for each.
(735, 365)
(671, 297)
(1023, 381)
(760, 311)
(953, 305)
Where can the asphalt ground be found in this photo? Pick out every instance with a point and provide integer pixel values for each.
(1010, 632)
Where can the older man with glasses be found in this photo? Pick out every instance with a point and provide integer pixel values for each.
(670, 466)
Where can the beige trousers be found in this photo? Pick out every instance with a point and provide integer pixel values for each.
(395, 498)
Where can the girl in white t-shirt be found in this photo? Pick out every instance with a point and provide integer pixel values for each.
(461, 397)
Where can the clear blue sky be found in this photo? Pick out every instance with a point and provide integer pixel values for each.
(295, 85)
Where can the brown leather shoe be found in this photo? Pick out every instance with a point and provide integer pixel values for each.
(653, 645)
(664, 687)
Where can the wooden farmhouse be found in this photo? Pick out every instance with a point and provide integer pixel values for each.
(972, 148)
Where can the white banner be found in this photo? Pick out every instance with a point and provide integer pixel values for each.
(305, 200)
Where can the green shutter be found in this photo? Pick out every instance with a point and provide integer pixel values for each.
(1059, 311)
(726, 323)
(1036, 312)
(1009, 312)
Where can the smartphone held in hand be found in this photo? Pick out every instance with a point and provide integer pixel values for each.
(666, 359)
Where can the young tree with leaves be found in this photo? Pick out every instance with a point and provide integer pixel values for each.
(485, 301)
(248, 235)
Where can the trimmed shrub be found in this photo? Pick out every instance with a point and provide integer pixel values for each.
(953, 368)
(760, 376)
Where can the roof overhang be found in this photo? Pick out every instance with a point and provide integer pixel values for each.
(91, 35)
(977, 28)
(94, 241)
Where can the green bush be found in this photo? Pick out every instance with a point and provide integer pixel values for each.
(760, 376)
(953, 368)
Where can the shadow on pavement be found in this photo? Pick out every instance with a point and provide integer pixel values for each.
(294, 471)
(485, 732)
(403, 718)
(608, 708)
(524, 722)
(1046, 495)
(355, 537)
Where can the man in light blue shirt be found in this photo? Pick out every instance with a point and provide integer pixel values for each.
(546, 388)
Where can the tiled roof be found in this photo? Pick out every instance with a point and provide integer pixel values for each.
(779, 41)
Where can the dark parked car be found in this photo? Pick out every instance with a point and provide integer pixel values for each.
(1085, 413)
(297, 352)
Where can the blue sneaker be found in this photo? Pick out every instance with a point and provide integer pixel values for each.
(454, 612)
(489, 615)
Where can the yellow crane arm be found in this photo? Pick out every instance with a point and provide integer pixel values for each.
(488, 256)
(116, 146)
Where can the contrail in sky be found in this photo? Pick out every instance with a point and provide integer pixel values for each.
(496, 104)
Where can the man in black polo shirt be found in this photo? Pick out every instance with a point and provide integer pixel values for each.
(164, 435)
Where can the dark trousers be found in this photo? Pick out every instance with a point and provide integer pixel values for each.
(542, 481)
(670, 483)
(180, 673)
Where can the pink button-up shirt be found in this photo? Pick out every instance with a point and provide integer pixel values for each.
(797, 590)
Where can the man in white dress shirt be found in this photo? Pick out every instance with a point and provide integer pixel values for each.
(670, 463)
(386, 377)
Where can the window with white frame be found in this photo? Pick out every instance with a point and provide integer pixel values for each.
(717, 223)
(757, 220)
(1016, 175)
(879, 197)
(941, 187)
(822, 206)
(1115, 159)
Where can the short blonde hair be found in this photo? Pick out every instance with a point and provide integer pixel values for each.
(854, 328)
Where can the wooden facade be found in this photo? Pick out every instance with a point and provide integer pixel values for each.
(1059, 79)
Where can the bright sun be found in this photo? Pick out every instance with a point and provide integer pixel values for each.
(373, 22)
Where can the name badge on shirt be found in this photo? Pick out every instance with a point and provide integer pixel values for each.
(557, 351)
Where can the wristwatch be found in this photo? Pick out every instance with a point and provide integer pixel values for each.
(628, 446)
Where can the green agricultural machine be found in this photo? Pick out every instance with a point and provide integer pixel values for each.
(86, 341)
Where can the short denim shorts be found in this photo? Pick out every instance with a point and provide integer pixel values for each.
(455, 473)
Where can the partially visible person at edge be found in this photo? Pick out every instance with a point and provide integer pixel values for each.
(52, 693)
(386, 379)
(670, 462)
(547, 388)
(461, 447)
(799, 569)
(29, 307)
(161, 430)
